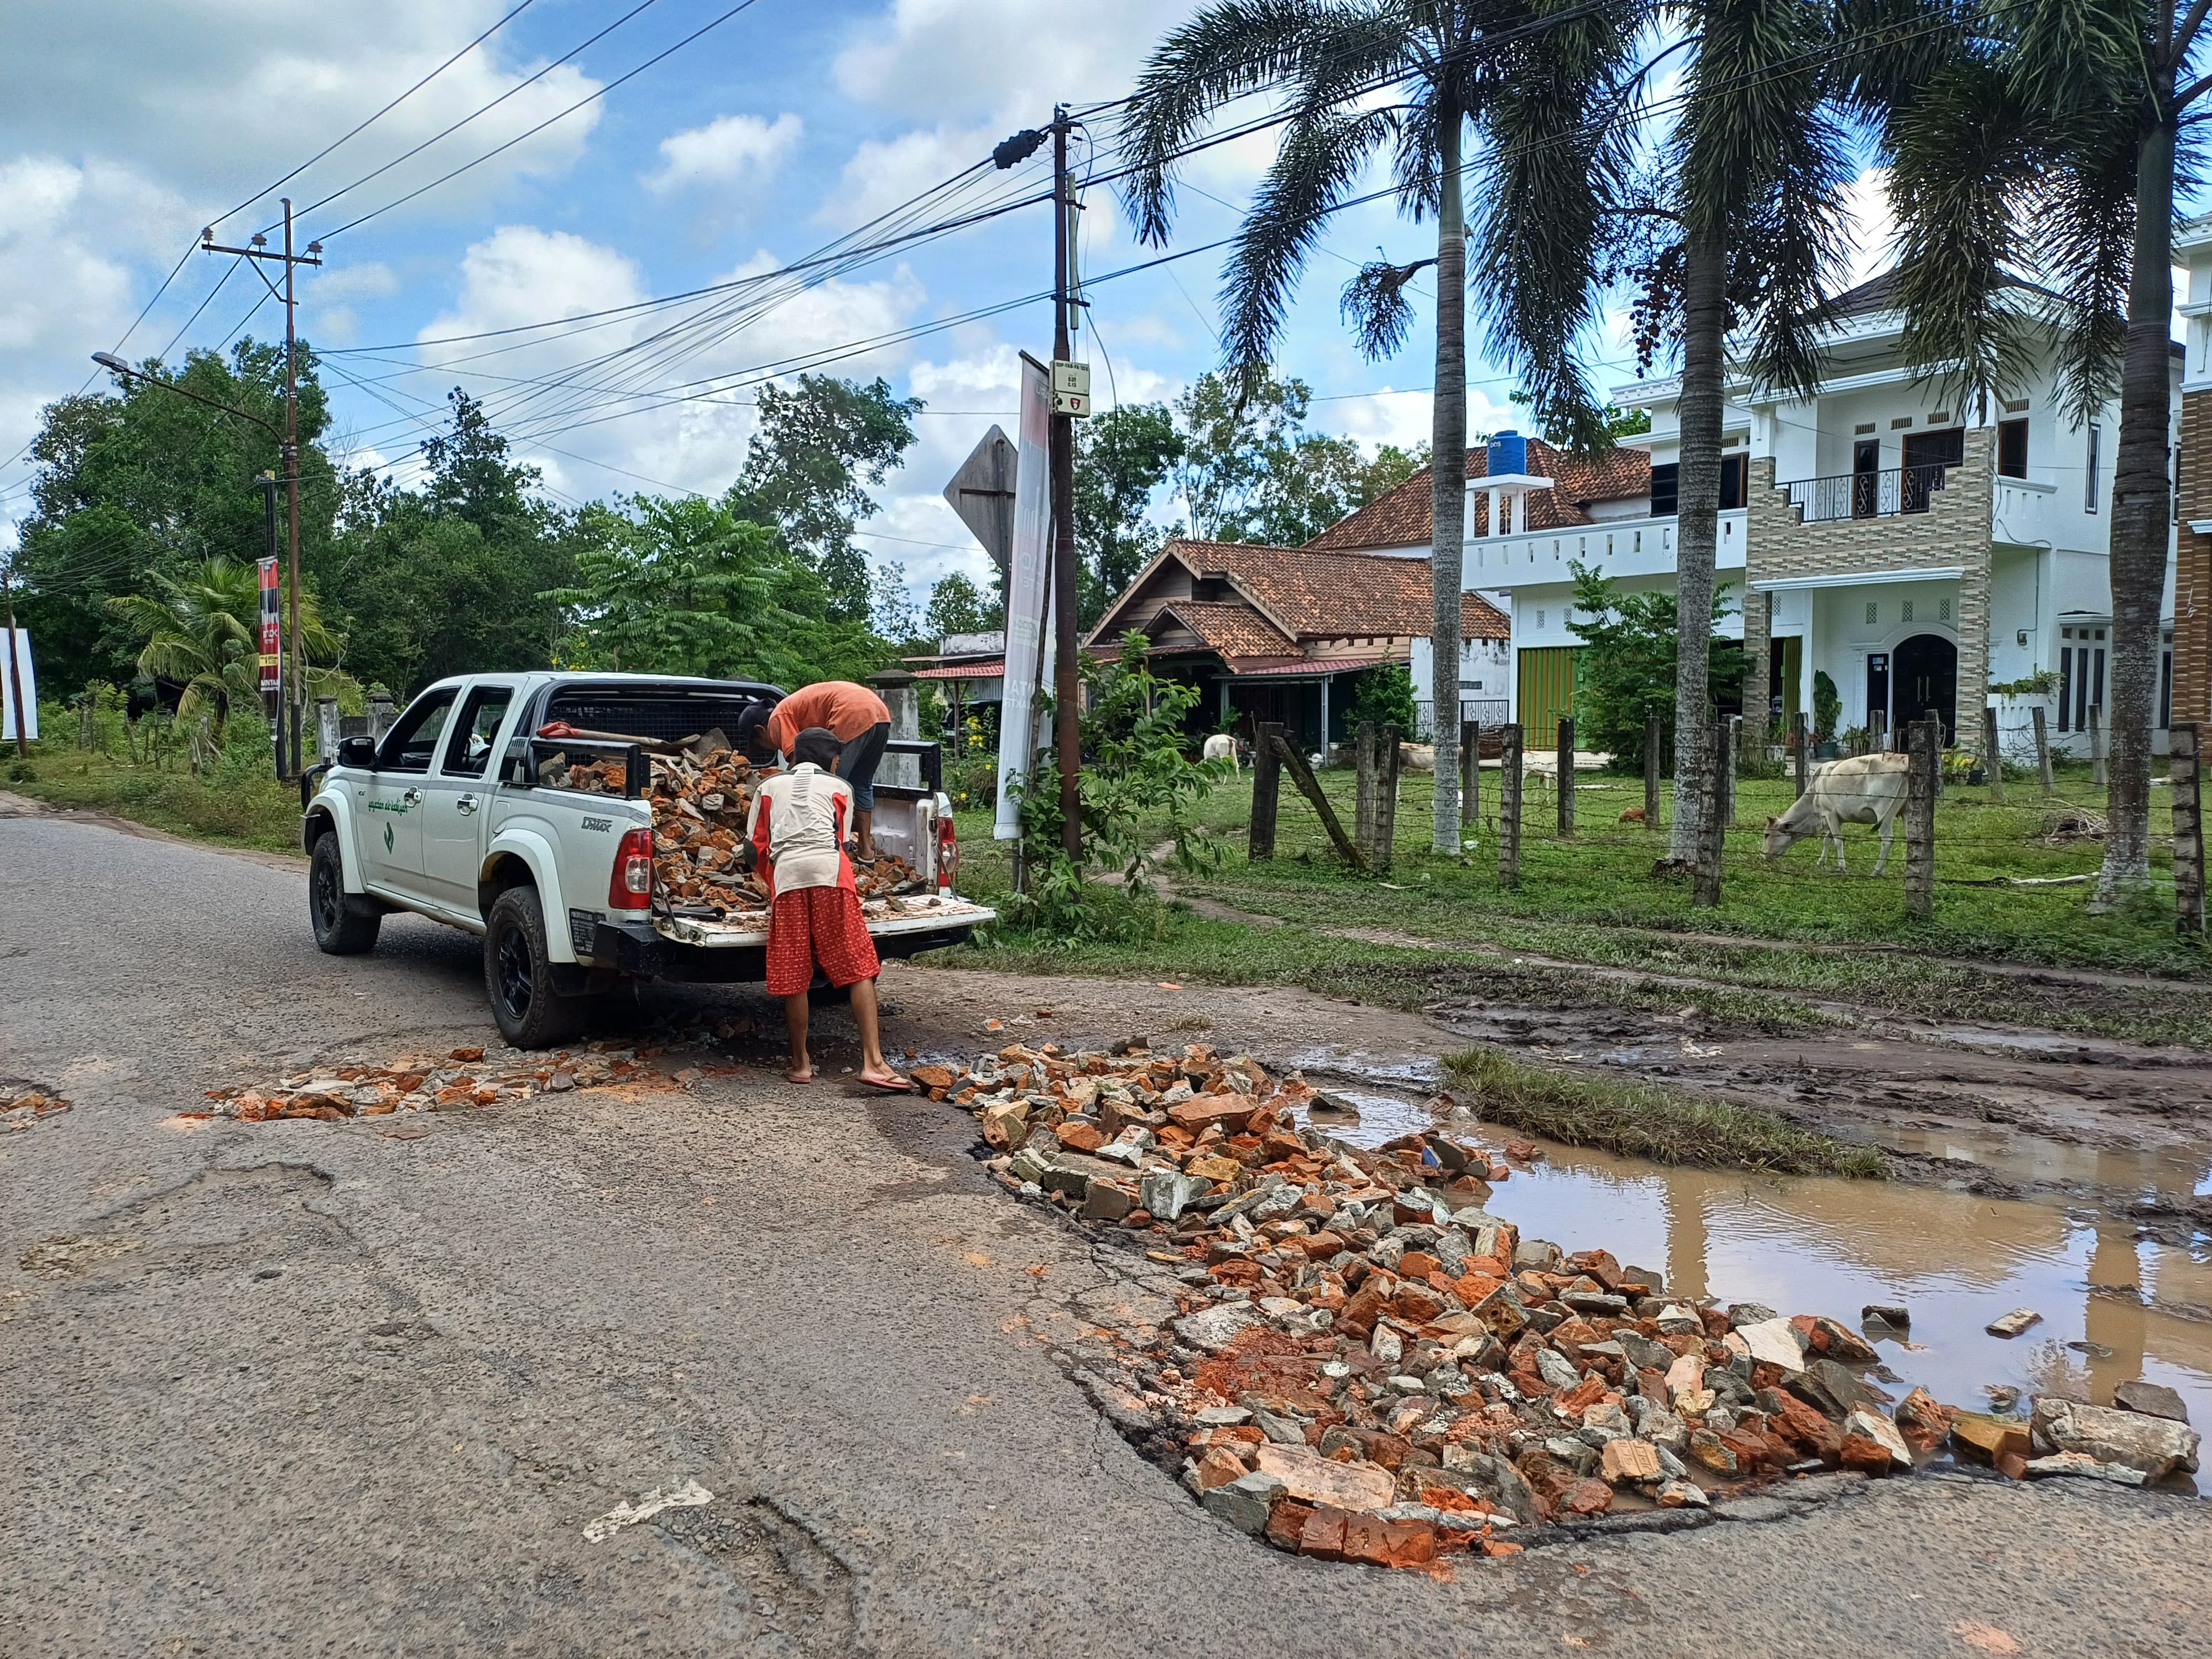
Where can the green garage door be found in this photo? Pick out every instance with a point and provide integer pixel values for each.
(1548, 693)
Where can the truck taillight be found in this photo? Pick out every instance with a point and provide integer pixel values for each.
(948, 854)
(630, 887)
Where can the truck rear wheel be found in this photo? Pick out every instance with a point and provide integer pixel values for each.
(518, 975)
(339, 931)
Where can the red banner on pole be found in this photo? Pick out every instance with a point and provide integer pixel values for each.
(272, 673)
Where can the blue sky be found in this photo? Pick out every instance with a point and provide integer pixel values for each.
(126, 124)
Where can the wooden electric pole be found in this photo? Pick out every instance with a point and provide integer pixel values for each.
(15, 671)
(296, 682)
(1067, 681)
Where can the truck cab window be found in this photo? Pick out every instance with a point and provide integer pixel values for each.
(470, 753)
(409, 745)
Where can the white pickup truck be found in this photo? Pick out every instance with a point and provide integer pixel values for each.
(447, 817)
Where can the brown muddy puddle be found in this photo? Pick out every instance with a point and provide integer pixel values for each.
(2114, 1306)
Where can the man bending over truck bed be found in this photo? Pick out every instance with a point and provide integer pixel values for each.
(798, 831)
(862, 726)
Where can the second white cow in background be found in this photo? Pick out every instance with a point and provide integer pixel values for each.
(1862, 789)
(1221, 746)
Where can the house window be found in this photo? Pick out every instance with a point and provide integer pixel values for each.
(1873, 612)
(2011, 449)
(1666, 487)
(1905, 614)
(1732, 473)
(2066, 684)
(2165, 682)
(1539, 619)
(2090, 463)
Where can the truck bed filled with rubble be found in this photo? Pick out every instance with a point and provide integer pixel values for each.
(706, 890)
(1367, 1364)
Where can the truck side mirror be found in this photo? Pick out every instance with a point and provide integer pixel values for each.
(358, 752)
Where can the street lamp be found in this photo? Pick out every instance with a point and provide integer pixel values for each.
(297, 685)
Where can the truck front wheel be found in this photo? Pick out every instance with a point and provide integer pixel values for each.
(339, 931)
(518, 975)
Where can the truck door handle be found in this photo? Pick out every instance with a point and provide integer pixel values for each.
(465, 804)
(412, 797)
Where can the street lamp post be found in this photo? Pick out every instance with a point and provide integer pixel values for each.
(297, 683)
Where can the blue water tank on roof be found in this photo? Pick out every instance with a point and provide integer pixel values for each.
(1509, 452)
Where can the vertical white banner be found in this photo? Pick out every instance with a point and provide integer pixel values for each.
(17, 642)
(1028, 584)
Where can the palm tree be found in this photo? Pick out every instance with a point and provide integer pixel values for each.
(201, 630)
(1756, 164)
(1409, 76)
(2048, 137)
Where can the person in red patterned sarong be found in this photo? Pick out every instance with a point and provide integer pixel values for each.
(798, 831)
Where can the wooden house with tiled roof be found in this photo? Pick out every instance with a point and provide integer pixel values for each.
(1278, 633)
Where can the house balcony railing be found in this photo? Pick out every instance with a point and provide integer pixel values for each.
(1866, 495)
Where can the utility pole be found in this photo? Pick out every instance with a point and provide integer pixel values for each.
(1068, 733)
(295, 683)
(15, 669)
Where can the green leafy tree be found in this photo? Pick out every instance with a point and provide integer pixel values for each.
(452, 578)
(2053, 137)
(1121, 459)
(956, 605)
(1528, 81)
(670, 586)
(820, 444)
(141, 481)
(1618, 424)
(1626, 671)
(1383, 695)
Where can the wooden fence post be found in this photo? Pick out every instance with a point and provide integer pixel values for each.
(1920, 819)
(1566, 779)
(1470, 774)
(2185, 776)
(1992, 763)
(1509, 806)
(1712, 839)
(1267, 788)
(1386, 801)
(2097, 745)
(1801, 741)
(1650, 771)
(1362, 809)
(1301, 775)
(1734, 760)
(2042, 745)
(1878, 732)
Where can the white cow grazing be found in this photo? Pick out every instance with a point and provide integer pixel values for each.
(1862, 789)
(1221, 746)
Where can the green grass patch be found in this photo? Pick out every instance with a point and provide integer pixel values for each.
(254, 811)
(1644, 1121)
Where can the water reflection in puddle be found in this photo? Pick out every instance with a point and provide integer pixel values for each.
(1812, 1245)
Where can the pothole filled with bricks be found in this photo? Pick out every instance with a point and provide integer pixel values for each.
(1363, 1362)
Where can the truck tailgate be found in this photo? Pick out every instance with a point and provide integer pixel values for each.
(886, 919)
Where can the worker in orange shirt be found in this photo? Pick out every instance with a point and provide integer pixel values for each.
(859, 719)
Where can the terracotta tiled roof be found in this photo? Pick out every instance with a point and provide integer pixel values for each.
(1233, 629)
(1401, 517)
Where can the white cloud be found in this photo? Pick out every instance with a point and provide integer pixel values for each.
(676, 381)
(371, 280)
(1871, 236)
(726, 152)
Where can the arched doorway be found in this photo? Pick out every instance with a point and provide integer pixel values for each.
(1924, 675)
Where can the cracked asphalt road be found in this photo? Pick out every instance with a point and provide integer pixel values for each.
(304, 1386)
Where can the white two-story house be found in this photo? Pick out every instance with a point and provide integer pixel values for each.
(1914, 551)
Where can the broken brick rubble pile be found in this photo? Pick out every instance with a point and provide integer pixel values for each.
(415, 1083)
(701, 796)
(1365, 1363)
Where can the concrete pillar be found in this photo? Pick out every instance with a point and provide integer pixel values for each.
(1757, 635)
(381, 713)
(326, 728)
(2192, 589)
(902, 697)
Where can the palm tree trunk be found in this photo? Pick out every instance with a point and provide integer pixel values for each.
(2143, 516)
(1448, 478)
(1697, 523)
